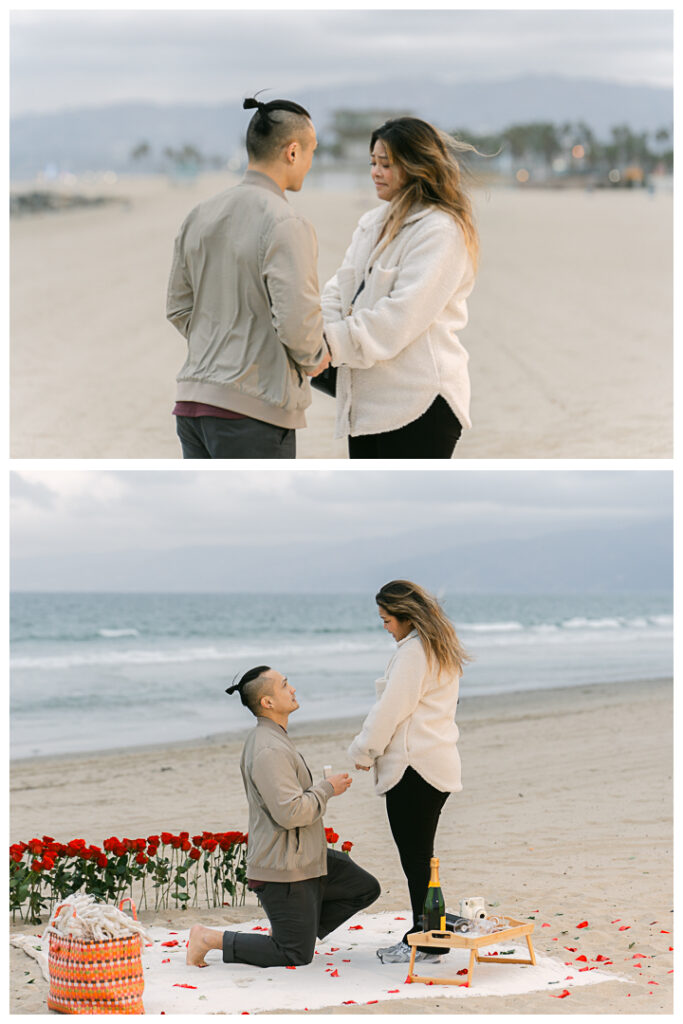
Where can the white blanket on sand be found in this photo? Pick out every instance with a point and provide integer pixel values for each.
(345, 970)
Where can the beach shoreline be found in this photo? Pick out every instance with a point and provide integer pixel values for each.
(473, 707)
(565, 815)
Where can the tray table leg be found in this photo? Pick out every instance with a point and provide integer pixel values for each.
(411, 966)
(470, 967)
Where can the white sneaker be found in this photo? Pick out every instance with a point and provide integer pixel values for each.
(400, 954)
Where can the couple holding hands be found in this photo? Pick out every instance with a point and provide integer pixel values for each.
(244, 292)
(409, 737)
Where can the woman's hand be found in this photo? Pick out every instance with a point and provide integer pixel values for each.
(363, 767)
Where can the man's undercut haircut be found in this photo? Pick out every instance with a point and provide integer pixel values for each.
(273, 126)
(252, 686)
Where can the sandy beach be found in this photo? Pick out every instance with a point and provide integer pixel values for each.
(565, 815)
(570, 333)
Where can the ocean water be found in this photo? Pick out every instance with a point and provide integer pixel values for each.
(98, 671)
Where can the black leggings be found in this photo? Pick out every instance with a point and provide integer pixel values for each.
(433, 435)
(413, 808)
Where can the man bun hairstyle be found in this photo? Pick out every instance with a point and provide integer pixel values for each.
(273, 125)
(251, 687)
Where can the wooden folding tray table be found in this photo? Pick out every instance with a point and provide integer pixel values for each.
(460, 940)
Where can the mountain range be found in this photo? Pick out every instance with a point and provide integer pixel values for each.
(633, 558)
(101, 138)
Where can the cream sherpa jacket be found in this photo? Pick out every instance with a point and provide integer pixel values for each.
(412, 723)
(397, 348)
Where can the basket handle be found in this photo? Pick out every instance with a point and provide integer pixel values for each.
(128, 899)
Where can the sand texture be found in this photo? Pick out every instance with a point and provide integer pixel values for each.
(570, 332)
(565, 815)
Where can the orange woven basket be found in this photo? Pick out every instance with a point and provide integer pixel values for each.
(95, 977)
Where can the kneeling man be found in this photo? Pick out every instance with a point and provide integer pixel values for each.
(306, 889)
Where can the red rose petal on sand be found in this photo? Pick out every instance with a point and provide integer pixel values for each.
(662, 932)
(583, 957)
(173, 933)
(173, 942)
(463, 971)
(346, 961)
(616, 920)
(335, 949)
(356, 928)
(349, 1002)
(408, 981)
(178, 985)
(584, 924)
(671, 949)
(572, 949)
(334, 974)
(391, 991)
(570, 977)
(624, 927)
(545, 926)
(290, 968)
(560, 995)
(166, 961)
(371, 1001)
(395, 919)
(599, 958)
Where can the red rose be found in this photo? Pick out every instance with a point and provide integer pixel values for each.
(195, 854)
(209, 844)
(37, 866)
(141, 859)
(346, 846)
(153, 840)
(35, 847)
(166, 838)
(48, 839)
(197, 840)
(102, 861)
(152, 851)
(48, 863)
(184, 835)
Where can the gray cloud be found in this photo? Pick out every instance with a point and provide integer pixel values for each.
(75, 58)
(58, 512)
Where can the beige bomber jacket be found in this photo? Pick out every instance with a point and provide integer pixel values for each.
(286, 832)
(243, 291)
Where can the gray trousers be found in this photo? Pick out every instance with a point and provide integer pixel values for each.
(211, 437)
(301, 911)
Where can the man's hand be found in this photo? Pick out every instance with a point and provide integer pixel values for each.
(364, 767)
(322, 365)
(340, 782)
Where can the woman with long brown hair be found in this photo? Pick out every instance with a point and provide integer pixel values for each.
(393, 308)
(410, 735)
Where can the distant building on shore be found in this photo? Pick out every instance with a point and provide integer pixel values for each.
(350, 132)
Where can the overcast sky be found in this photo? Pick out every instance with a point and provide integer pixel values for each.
(62, 513)
(74, 58)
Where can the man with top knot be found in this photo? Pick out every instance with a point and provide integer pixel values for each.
(243, 291)
(306, 889)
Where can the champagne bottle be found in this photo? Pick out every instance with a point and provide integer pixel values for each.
(434, 907)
